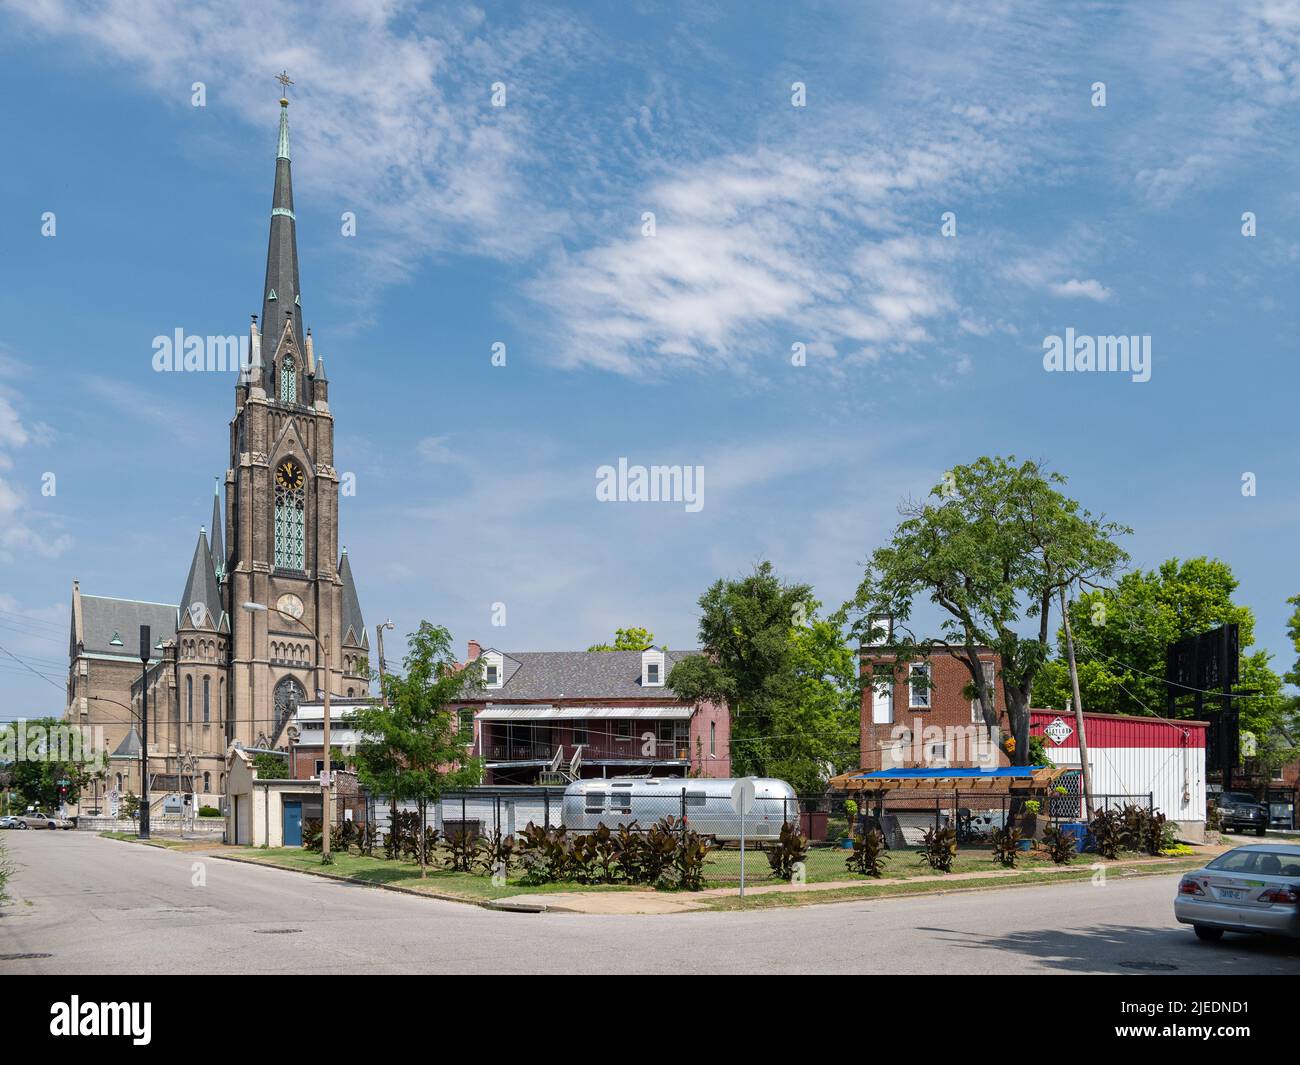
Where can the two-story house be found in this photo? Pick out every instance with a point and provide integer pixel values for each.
(545, 716)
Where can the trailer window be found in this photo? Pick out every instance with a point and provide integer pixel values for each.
(595, 802)
(696, 798)
(620, 801)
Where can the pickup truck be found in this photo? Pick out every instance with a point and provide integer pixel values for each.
(1240, 811)
(43, 821)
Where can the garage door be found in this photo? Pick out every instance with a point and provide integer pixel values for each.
(242, 810)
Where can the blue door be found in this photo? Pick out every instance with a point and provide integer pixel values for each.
(293, 824)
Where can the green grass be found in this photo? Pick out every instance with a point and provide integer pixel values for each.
(825, 864)
(407, 874)
(938, 883)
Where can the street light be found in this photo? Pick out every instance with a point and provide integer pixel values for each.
(327, 811)
(145, 653)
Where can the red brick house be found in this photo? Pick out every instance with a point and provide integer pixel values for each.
(918, 713)
(553, 714)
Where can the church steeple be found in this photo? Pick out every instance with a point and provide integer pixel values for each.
(280, 296)
(218, 549)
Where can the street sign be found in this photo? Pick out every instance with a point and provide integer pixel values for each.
(742, 796)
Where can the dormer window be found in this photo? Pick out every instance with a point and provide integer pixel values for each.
(652, 668)
(493, 669)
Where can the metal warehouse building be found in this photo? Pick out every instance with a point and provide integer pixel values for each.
(1136, 756)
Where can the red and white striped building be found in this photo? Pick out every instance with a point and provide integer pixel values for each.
(1132, 756)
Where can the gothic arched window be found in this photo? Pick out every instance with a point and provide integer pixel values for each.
(288, 380)
(290, 515)
(288, 694)
(189, 698)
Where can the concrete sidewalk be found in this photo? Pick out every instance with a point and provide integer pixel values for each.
(668, 902)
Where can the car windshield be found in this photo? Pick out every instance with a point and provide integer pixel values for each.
(1237, 796)
(1259, 862)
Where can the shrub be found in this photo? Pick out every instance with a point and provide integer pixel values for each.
(494, 853)
(1006, 846)
(460, 849)
(311, 834)
(629, 852)
(692, 855)
(209, 811)
(1106, 829)
(789, 849)
(868, 853)
(939, 849)
(1062, 846)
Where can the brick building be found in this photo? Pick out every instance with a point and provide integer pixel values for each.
(920, 713)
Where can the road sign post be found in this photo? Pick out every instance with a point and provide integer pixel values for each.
(742, 801)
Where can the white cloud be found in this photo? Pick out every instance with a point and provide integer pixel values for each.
(24, 531)
(1091, 289)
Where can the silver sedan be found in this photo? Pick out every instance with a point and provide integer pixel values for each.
(1248, 889)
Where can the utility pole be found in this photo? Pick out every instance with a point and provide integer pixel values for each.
(1077, 702)
(145, 650)
(327, 804)
(383, 701)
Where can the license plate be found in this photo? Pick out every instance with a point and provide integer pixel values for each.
(1231, 893)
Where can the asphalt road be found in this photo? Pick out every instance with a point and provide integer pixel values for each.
(85, 905)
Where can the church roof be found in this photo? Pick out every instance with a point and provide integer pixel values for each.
(218, 549)
(129, 747)
(112, 626)
(280, 294)
(354, 626)
(201, 601)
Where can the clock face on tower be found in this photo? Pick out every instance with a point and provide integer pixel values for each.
(289, 475)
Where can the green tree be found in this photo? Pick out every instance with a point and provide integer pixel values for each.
(270, 766)
(1293, 630)
(1121, 634)
(411, 749)
(992, 547)
(787, 677)
(52, 756)
(627, 640)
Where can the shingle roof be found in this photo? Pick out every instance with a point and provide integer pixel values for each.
(579, 675)
(104, 618)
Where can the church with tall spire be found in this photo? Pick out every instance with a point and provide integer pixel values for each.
(220, 673)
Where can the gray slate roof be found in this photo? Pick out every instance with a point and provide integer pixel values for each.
(130, 746)
(101, 618)
(354, 625)
(604, 675)
(202, 590)
(281, 260)
(218, 548)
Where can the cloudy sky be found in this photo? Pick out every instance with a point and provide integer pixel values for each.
(774, 225)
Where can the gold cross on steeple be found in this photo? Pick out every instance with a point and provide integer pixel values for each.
(285, 82)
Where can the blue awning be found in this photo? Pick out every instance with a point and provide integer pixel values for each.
(961, 773)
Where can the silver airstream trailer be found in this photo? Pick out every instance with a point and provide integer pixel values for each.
(707, 804)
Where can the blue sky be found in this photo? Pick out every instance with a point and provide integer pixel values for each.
(522, 224)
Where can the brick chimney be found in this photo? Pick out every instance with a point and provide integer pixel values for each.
(475, 649)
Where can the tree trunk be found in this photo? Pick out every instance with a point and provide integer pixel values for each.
(423, 856)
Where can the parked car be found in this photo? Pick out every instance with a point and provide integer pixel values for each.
(1255, 888)
(1240, 811)
(44, 821)
(9, 821)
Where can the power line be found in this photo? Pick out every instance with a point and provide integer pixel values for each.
(30, 669)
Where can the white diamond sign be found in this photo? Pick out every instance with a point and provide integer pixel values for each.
(1058, 731)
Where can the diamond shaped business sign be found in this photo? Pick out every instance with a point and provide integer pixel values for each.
(1058, 731)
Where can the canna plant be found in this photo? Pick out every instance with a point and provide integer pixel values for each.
(1006, 846)
(939, 849)
(789, 849)
(868, 853)
(1061, 845)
